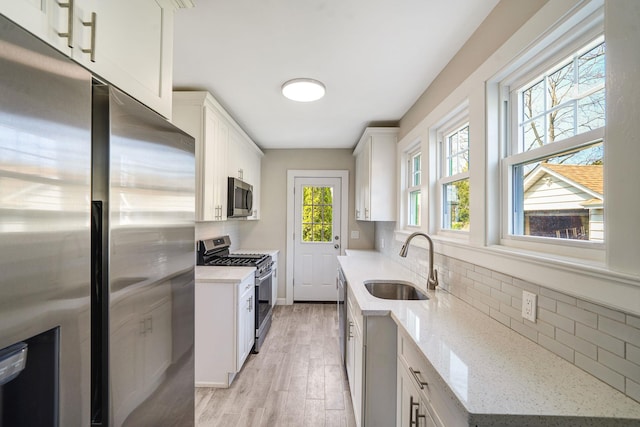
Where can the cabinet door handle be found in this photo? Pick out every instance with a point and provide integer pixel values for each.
(350, 335)
(92, 50)
(421, 383)
(143, 327)
(413, 422)
(366, 213)
(69, 33)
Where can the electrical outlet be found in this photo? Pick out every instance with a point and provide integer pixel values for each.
(355, 234)
(381, 243)
(529, 305)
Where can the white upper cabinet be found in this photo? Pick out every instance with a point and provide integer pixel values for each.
(126, 43)
(244, 162)
(375, 197)
(223, 150)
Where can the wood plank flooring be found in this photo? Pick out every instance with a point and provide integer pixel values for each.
(297, 379)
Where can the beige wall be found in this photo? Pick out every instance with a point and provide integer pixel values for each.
(507, 17)
(270, 231)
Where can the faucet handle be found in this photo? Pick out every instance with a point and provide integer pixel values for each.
(433, 281)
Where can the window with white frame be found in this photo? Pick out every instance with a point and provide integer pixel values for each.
(554, 163)
(454, 177)
(414, 182)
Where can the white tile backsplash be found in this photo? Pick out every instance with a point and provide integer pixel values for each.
(600, 340)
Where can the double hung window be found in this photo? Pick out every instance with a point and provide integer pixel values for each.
(454, 180)
(414, 192)
(554, 166)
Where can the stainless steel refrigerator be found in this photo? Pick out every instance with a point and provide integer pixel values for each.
(96, 249)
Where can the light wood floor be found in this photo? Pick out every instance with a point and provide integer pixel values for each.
(297, 379)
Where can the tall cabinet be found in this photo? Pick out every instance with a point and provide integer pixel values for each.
(223, 150)
(375, 196)
(128, 44)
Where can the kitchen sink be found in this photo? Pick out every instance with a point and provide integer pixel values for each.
(394, 289)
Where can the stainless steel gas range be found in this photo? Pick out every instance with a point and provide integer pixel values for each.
(215, 252)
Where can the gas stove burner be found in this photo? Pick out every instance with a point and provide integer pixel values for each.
(215, 252)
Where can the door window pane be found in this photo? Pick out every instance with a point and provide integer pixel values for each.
(317, 214)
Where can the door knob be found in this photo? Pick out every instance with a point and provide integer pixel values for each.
(336, 246)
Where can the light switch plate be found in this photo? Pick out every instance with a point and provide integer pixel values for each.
(529, 305)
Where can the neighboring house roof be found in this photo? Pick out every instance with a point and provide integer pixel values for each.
(588, 178)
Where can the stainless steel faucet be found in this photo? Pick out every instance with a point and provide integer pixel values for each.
(432, 281)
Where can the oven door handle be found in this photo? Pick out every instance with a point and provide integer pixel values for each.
(264, 277)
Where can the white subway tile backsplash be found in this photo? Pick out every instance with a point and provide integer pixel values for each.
(524, 329)
(482, 270)
(633, 389)
(600, 371)
(633, 321)
(578, 314)
(556, 320)
(502, 277)
(500, 317)
(558, 296)
(633, 354)
(514, 313)
(530, 287)
(619, 330)
(578, 344)
(492, 282)
(602, 341)
(501, 296)
(512, 290)
(556, 347)
(544, 328)
(620, 365)
(603, 311)
(547, 303)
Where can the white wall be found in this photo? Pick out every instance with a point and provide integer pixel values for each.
(270, 231)
(610, 277)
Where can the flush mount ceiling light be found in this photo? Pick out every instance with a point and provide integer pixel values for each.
(303, 90)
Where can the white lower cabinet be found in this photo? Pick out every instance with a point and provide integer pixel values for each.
(353, 356)
(246, 323)
(411, 407)
(370, 358)
(224, 330)
(422, 399)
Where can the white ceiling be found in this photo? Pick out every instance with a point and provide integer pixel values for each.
(375, 57)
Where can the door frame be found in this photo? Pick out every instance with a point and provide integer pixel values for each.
(344, 217)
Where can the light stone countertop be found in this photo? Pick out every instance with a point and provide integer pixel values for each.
(223, 274)
(497, 376)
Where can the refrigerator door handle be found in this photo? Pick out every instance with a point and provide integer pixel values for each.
(98, 360)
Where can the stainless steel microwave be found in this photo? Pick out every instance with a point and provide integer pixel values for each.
(240, 199)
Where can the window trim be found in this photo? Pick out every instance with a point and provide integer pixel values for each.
(509, 114)
(459, 119)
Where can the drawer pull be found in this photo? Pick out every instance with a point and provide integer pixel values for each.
(92, 50)
(413, 403)
(421, 383)
(69, 34)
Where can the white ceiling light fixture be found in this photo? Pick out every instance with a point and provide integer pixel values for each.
(303, 90)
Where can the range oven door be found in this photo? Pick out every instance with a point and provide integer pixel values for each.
(263, 307)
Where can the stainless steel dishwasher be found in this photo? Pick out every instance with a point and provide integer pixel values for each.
(341, 283)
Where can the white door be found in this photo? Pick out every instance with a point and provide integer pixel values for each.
(317, 239)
